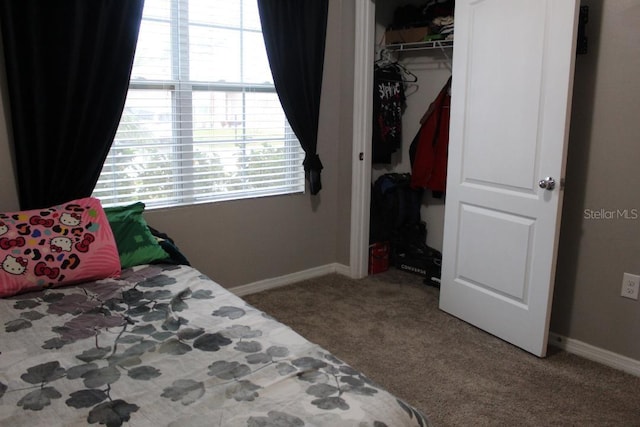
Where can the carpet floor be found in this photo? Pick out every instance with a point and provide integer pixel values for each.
(389, 327)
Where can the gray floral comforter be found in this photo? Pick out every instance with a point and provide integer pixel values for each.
(165, 345)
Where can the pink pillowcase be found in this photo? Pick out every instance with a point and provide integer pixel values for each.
(61, 245)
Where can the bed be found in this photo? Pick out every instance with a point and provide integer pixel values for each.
(162, 344)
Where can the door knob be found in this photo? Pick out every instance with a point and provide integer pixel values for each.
(548, 183)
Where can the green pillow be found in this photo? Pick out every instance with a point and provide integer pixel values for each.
(136, 244)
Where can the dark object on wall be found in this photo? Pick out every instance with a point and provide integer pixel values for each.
(294, 34)
(583, 41)
(68, 67)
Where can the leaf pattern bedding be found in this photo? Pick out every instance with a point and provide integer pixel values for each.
(165, 345)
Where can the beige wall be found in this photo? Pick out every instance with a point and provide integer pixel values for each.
(245, 241)
(603, 172)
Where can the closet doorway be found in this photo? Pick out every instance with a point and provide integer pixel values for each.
(511, 94)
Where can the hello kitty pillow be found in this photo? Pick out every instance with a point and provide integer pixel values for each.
(61, 245)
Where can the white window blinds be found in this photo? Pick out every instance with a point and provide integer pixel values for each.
(202, 121)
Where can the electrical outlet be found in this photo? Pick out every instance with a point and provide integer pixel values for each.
(630, 286)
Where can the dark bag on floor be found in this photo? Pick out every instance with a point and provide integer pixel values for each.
(394, 204)
(395, 218)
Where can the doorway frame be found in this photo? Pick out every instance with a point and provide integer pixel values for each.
(362, 134)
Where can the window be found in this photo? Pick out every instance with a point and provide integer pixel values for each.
(202, 120)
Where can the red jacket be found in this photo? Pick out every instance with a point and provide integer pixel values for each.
(430, 147)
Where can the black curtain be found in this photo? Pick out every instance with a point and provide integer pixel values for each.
(68, 67)
(294, 34)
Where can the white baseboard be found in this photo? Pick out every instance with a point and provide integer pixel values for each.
(288, 279)
(596, 354)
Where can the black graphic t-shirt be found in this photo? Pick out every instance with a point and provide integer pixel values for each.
(388, 105)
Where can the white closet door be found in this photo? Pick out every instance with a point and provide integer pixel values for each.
(513, 67)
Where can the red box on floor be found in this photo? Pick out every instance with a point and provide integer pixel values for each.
(378, 257)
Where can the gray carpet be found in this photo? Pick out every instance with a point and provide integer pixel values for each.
(389, 327)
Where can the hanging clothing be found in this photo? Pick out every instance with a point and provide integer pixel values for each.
(388, 105)
(429, 150)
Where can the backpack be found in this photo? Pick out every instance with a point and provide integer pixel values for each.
(395, 218)
(394, 205)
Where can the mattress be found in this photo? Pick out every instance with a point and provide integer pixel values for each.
(166, 345)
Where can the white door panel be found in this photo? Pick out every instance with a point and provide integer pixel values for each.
(479, 229)
(508, 90)
(511, 94)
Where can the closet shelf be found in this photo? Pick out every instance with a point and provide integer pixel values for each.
(435, 44)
